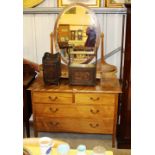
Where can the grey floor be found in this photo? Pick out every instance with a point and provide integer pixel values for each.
(90, 140)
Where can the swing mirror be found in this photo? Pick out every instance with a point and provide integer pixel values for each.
(77, 31)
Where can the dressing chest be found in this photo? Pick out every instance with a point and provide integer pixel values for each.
(82, 109)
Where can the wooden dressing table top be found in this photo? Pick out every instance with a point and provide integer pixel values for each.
(38, 85)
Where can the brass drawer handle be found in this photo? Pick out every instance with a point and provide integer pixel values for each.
(94, 99)
(53, 110)
(94, 112)
(53, 98)
(94, 126)
(54, 123)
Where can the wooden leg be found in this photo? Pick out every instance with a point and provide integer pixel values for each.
(23, 130)
(113, 140)
(115, 121)
(35, 133)
(27, 128)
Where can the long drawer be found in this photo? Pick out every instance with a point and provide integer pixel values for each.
(74, 125)
(97, 98)
(47, 97)
(76, 111)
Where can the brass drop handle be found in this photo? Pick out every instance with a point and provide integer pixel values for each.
(94, 99)
(94, 126)
(94, 112)
(54, 123)
(53, 98)
(53, 110)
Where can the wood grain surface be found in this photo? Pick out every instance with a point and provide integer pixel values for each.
(74, 111)
(75, 125)
(83, 109)
(64, 86)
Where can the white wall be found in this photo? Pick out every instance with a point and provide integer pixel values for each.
(37, 29)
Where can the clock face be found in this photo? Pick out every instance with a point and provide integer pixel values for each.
(77, 31)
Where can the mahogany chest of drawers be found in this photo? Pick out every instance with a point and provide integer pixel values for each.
(82, 109)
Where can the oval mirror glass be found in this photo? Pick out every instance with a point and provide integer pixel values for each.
(77, 30)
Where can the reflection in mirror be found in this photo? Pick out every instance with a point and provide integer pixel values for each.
(77, 31)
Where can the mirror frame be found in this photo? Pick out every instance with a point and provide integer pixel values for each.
(97, 29)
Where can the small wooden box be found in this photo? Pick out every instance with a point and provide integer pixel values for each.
(82, 76)
(51, 68)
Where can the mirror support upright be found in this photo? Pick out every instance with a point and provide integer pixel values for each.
(51, 39)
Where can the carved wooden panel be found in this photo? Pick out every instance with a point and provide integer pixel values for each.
(82, 76)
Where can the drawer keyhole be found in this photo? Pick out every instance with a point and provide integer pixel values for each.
(94, 126)
(53, 123)
(94, 112)
(94, 99)
(53, 110)
(53, 98)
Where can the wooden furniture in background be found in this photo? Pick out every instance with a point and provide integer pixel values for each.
(79, 34)
(124, 126)
(72, 35)
(83, 109)
(28, 77)
(63, 32)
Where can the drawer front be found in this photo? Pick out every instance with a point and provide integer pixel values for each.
(75, 111)
(85, 98)
(45, 97)
(74, 125)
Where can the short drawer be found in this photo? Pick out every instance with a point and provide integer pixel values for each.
(76, 111)
(45, 97)
(84, 98)
(74, 125)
